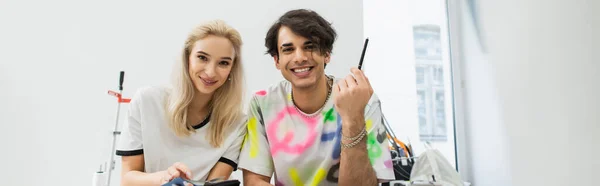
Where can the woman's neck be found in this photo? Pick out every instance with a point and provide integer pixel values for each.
(199, 108)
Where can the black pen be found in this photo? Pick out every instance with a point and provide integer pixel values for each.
(362, 56)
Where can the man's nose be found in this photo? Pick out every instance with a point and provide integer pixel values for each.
(300, 56)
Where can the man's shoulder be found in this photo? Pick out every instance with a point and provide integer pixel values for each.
(374, 99)
(274, 92)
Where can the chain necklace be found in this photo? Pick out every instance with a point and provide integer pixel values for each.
(329, 88)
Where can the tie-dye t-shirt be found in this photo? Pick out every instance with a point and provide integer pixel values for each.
(302, 150)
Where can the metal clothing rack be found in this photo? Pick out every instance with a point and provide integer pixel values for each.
(404, 160)
(120, 100)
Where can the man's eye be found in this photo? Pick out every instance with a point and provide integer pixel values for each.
(287, 49)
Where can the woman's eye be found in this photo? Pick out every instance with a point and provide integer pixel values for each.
(224, 63)
(203, 58)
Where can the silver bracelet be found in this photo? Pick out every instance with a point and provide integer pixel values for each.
(353, 143)
(355, 137)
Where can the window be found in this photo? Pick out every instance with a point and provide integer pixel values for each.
(430, 82)
(409, 40)
(430, 34)
(420, 75)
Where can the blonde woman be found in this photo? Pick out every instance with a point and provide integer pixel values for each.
(195, 128)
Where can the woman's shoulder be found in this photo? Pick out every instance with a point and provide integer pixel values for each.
(242, 119)
(151, 94)
(239, 125)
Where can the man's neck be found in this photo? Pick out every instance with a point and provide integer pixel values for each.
(311, 99)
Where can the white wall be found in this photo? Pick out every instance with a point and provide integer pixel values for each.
(543, 54)
(58, 59)
(482, 138)
(534, 96)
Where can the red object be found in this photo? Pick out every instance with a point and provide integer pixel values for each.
(261, 93)
(120, 99)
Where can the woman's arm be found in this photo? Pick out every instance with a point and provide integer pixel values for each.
(220, 170)
(251, 178)
(132, 172)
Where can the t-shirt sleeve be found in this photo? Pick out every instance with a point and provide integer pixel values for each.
(232, 154)
(377, 143)
(130, 140)
(255, 155)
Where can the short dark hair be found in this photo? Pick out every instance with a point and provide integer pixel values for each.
(306, 23)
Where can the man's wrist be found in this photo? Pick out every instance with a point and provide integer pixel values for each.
(352, 125)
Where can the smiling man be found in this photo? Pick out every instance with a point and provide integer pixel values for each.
(311, 128)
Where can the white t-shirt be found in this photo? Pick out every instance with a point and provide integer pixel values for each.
(147, 132)
(301, 150)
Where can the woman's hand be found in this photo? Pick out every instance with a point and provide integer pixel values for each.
(176, 170)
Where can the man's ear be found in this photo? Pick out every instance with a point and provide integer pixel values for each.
(276, 59)
(327, 57)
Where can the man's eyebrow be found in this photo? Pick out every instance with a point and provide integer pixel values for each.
(286, 45)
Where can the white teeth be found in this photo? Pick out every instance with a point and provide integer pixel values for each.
(209, 82)
(301, 70)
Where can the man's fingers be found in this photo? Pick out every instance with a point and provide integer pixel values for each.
(369, 84)
(342, 85)
(362, 79)
(359, 76)
(336, 88)
(350, 81)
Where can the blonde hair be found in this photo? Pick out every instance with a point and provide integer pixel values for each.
(226, 102)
